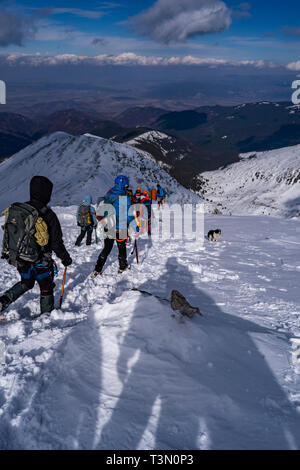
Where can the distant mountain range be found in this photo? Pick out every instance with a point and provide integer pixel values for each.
(17, 131)
(199, 140)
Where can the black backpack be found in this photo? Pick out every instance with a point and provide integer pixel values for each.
(84, 216)
(19, 239)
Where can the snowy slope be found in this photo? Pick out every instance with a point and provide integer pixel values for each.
(81, 165)
(175, 155)
(155, 137)
(150, 144)
(261, 183)
(151, 136)
(116, 369)
(154, 143)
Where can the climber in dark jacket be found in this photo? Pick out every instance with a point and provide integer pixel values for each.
(43, 270)
(87, 222)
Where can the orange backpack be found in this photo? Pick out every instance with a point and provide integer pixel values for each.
(154, 194)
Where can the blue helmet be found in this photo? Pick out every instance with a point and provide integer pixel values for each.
(122, 181)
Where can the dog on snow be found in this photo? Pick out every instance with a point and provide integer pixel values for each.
(214, 235)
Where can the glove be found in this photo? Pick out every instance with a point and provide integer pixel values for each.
(67, 261)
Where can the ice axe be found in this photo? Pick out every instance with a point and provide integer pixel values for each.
(136, 251)
(63, 288)
(96, 236)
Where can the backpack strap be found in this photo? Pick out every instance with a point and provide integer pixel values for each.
(44, 210)
(111, 201)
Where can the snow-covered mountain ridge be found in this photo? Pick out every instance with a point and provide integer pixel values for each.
(260, 183)
(152, 136)
(175, 155)
(80, 165)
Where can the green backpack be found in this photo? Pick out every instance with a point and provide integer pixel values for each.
(20, 239)
(84, 216)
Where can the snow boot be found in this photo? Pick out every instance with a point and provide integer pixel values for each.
(14, 293)
(4, 303)
(95, 274)
(121, 270)
(89, 238)
(47, 303)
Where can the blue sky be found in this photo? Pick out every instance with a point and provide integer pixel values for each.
(259, 30)
(159, 52)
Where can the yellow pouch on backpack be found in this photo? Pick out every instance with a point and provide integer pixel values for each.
(41, 234)
(5, 213)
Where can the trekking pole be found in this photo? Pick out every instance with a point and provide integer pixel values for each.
(63, 288)
(136, 251)
(96, 236)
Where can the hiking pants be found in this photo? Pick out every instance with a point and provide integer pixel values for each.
(108, 244)
(88, 231)
(149, 226)
(44, 275)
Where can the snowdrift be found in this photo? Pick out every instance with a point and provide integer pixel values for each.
(116, 369)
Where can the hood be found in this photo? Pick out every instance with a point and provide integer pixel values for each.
(41, 189)
(117, 190)
(87, 200)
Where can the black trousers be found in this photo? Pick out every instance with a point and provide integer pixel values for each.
(88, 231)
(43, 274)
(108, 245)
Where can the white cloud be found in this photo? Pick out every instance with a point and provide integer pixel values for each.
(176, 20)
(126, 58)
(92, 14)
(294, 66)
